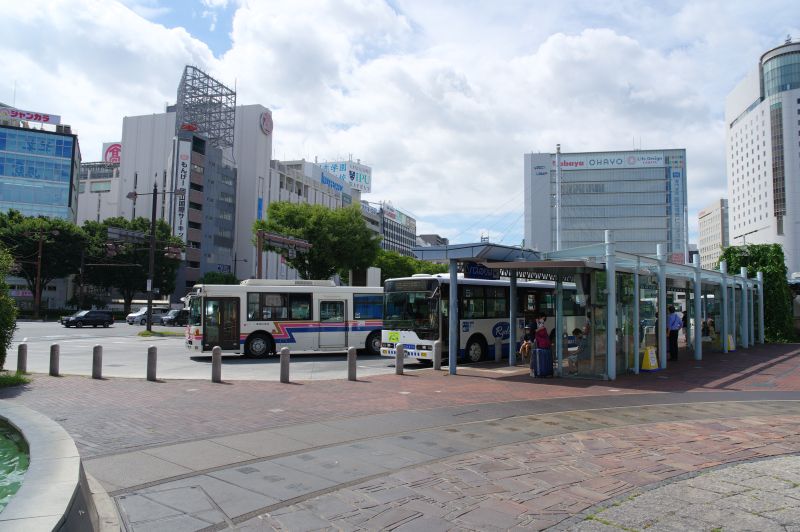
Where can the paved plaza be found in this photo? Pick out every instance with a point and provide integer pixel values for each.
(702, 446)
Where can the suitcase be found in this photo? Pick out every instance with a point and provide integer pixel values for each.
(542, 363)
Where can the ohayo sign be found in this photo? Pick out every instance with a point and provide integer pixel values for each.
(608, 161)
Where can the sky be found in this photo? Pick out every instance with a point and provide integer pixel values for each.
(440, 97)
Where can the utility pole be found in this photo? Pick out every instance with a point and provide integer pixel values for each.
(558, 197)
(260, 251)
(151, 271)
(38, 299)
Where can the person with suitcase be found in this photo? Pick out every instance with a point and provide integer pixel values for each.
(542, 359)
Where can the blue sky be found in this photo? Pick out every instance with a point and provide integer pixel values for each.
(442, 97)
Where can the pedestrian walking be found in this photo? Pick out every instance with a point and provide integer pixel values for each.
(674, 324)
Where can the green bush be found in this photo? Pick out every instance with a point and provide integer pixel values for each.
(8, 308)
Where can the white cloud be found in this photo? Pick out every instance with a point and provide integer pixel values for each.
(440, 98)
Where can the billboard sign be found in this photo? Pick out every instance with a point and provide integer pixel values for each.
(606, 161)
(356, 175)
(265, 122)
(182, 168)
(29, 116)
(112, 152)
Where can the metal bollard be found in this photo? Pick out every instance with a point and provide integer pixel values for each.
(399, 358)
(55, 351)
(498, 349)
(351, 363)
(284, 364)
(437, 354)
(22, 358)
(152, 356)
(97, 362)
(216, 364)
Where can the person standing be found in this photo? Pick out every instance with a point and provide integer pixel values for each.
(674, 325)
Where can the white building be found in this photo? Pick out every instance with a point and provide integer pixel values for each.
(640, 195)
(762, 115)
(713, 232)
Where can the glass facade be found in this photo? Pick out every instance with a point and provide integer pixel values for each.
(781, 73)
(37, 172)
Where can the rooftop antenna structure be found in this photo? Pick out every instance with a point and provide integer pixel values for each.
(206, 106)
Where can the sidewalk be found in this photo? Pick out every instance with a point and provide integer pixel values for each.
(486, 448)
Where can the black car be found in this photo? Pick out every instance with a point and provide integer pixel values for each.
(89, 317)
(177, 317)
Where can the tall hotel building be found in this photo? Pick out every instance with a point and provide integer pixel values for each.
(762, 136)
(639, 195)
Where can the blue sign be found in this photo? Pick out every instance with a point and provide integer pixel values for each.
(478, 271)
(501, 330)
(676, 174)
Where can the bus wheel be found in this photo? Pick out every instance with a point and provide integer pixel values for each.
(258, 345)
(475, 349)
(374, 343)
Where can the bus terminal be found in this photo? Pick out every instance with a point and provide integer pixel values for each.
(604, 305)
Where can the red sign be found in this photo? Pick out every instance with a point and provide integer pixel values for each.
(19, 114)
(112, 153)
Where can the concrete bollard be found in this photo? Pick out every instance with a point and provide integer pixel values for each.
(399, 358)
(22, 358)
(152, 357)
(498, 349)
(437, 354)
(285, 364)
(216, 364)
(55, 351)
(97, 362)
(351, 363)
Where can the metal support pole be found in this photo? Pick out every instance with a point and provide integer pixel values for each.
(636, 319)
(352, 357)
(611, 307)
(698, 294)
(512, 330)
(452, 348)
(216, 364)
(38, 296)
(55, 351)
(751, 310)
(152, 358)
(760, 277)
(22, 358)
(732, 325)
(498, 348)
(399, 358)
(723, 268)
(97, 362)
(285, 364)
(437, 355)
(152, 258)
(745, 328)
(661, 250)
(558, 197)
(559, 328)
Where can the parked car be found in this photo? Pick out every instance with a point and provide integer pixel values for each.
(175, 317)
(88, 317)
(140, 316)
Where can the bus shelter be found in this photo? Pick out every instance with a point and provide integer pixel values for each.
(623, 295)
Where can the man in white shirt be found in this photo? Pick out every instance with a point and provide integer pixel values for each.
(674, 324)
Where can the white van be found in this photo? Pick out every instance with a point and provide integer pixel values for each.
(140, 316)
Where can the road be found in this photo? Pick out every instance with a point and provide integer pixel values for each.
(125, 355)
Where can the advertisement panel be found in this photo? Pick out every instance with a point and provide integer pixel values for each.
(356, 175)
(112, 152)
(182, 168)
(29, 116)
(606, 161)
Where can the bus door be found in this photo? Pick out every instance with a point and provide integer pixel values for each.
(332, 324)
(221, 323)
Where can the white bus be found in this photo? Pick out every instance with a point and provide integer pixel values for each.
(415, 314)
(259, 316)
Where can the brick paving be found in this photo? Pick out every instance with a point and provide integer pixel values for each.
(549, 481)
(114, 415)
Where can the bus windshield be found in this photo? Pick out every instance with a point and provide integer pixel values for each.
(195, 313)
(417, 311)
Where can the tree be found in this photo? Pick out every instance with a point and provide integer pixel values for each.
(393, 264)
(340, 239)
(218, 278)
(125, 266)
(769, 259)
(8, 309)
(61, 242)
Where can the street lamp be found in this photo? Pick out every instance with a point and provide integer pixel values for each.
(152, 265)
(235, 260)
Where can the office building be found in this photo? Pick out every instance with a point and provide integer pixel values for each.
(640, 195)
(432, 240)
(762, 118)
(39, 164)
(98, 191)
(712, 223)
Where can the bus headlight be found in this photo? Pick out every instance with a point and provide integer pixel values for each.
(424, 348)
(388, 345)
